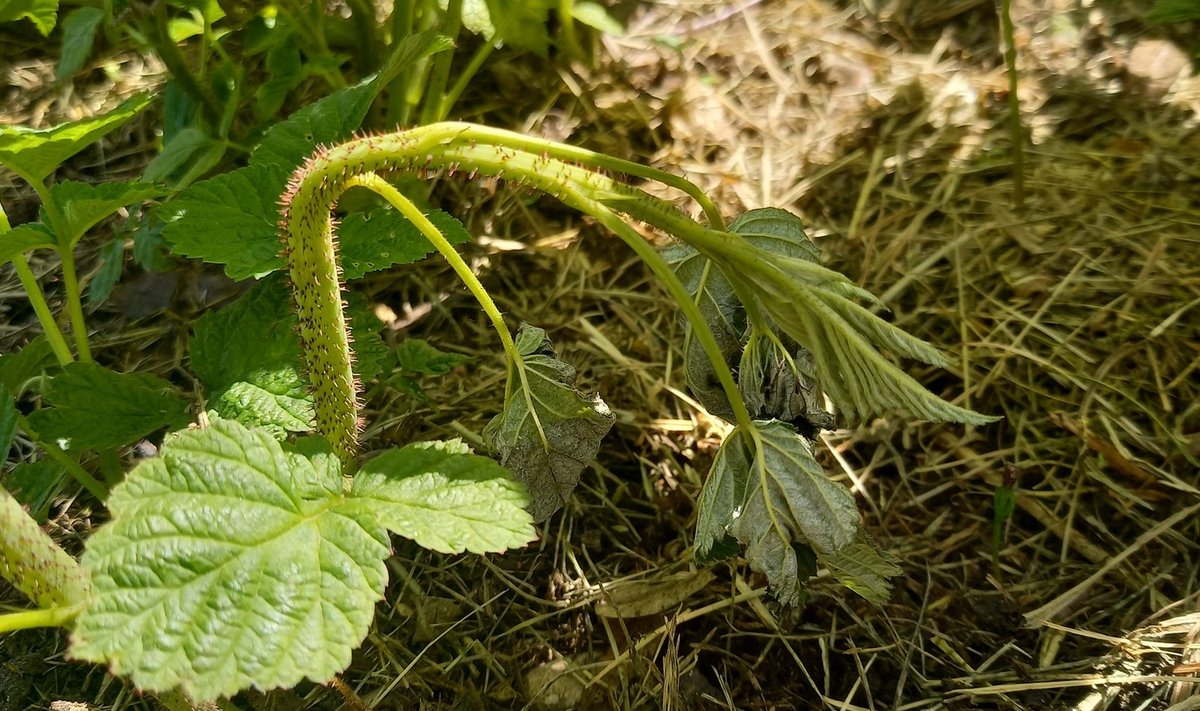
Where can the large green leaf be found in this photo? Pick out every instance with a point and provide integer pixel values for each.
(78, 206)
(18, 369)
(35, 153)
(232, 561)
(231, 219)
(548, 432)
(95, 408)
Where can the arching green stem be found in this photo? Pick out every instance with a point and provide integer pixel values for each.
(38, 300)
(410, 211)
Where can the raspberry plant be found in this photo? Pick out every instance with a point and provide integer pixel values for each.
(250, 525)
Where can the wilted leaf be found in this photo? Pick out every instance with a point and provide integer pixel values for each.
(549, 431)
(790, 503)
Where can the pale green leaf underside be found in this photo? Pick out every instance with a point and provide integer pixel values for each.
(549, 432)
(233, 561)
(35, 153)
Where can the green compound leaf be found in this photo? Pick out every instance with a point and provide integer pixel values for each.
(376, 240)
(231, 219)
(233, 561)
(25, 238)
(35, 153)
(230, 563)
(43, 13)
(549, 431)
(790, 505)
(446, 499)
(79, 206)
(95, 408)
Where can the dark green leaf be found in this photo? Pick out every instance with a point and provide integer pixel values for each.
(79, 31)
(378, 239)
(417, 356)
(331, 120)
(548, 432)
(17, 369)
(95, 408)
(8, 422)
(722, 499)
(36, 484)
(112, 263)
(35, 153)
(231, 219)
(190, 148)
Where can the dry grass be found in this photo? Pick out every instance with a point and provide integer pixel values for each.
(1075, 317)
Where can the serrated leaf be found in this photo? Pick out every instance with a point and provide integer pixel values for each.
(230, 563)
(79, 206)
(790, 502)
(24, 238)
(79, 31)
(780, 383)
(548, 432)
(35, 153)
(248, 356)
(812, 306)
(721, 500)
(43, 13)
(95, 408)
(376, 240)
(231, 219)
(17, 369)
(112, 263)
(233, 561)
(446, 499)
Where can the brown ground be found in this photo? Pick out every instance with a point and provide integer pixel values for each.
(1074, 315)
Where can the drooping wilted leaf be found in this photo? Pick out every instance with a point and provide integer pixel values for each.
(722, 499)
(790, 503)
(549, 431)
(778, 383)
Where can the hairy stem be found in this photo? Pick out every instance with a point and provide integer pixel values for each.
(34, 563)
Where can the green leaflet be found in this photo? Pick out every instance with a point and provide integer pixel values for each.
(35, 153)
(549, 431)
(24, 238)
(79, 31)
(233, 561)
(77, 207)
(811, 305)
(18, 369)
(768, 492)
(95, 408)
